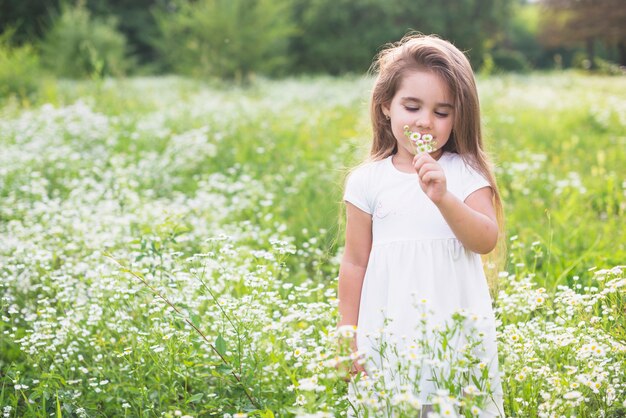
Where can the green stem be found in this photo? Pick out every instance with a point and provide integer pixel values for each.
(204, 337)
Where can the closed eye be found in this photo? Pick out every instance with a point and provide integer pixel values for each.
(442, 114)
(411, 109)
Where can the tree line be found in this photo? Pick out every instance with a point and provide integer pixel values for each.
(235, 39)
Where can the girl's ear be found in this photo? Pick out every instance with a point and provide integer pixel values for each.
(385, 109)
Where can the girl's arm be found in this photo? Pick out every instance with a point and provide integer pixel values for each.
(473, 221)
(354, 263)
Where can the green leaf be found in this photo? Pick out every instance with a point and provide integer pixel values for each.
(220, 345)
(196, 398)
(267, 414)
(195, 320)
(59, 415)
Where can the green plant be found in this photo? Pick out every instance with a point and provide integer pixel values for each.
(513, 61)
(225, 38)
(79, 46)
(19, 68)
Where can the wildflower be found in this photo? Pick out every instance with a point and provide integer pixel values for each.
(309, 385)
(7, 410)
(447, 411)
(346, 331)
(572, 395)
(471, 390)
(422, 143)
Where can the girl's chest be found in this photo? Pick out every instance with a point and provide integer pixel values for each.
(402, 199)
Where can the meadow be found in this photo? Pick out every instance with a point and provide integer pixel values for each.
(170, 247)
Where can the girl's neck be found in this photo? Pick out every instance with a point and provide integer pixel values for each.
(405, 160)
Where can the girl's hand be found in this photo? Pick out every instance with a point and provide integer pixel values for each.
(352, 367)
(355, 369)
(431, 177)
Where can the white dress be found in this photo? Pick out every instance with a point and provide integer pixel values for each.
(416, 258)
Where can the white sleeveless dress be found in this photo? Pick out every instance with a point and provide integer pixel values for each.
(416, 259)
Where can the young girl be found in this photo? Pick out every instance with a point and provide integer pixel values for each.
(417, 221)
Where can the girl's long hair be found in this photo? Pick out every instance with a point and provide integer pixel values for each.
(416, 52)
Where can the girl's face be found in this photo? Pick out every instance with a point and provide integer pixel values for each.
(423, 102)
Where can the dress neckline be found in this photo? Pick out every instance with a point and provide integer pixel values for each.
(404, 173)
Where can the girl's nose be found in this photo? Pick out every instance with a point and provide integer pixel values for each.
(423, 122)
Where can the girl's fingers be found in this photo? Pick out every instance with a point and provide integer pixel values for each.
(421, 159)
(428, 167)
(431, 176)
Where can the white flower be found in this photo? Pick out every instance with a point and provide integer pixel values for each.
(471, 390)
(346, 331)
(572, 395)
(309, 385)
(448, 411)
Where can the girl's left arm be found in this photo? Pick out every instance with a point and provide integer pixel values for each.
(473, 221)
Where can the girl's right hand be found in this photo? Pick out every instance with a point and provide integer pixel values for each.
(351, 367)
(357, 368)
(432, 178)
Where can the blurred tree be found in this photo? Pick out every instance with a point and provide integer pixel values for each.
(78, 45)
(27, 17)
(338, 36)
(570, 22)
(521, 34)
(343, 35)
(136, 21)
(225, 38)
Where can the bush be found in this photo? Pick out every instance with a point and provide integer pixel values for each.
(78, 46)
(608, 68)
(507, 60)
(19, 68)
(225, 38)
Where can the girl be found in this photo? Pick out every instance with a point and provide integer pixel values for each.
(417, 221)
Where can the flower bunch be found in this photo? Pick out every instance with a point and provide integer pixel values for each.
(422, 143)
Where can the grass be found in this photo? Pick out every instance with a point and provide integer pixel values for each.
(228, 202)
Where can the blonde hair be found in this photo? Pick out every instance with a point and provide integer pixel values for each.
(417, 52)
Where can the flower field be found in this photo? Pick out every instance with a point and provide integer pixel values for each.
(171, 248)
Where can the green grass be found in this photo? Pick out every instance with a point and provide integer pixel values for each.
(228, 202)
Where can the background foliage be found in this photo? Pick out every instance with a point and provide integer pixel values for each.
(241, 38)
(224, 38)
(78, 45)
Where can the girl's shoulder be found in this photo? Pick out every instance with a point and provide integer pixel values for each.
(462, 178)
(369, 169)
(364, 182)
(455, 161)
